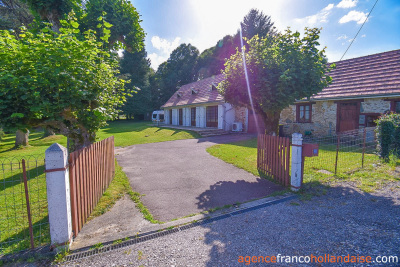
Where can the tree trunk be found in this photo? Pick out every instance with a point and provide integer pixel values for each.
(21, 138)
(48, 132)
(271, 122)
(83, 140)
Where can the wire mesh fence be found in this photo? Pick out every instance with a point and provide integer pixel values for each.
(24, 220)
(343, 153)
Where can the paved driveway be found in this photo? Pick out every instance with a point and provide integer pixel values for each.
(179, 178)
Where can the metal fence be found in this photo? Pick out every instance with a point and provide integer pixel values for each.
(24, 220)
(343, 153)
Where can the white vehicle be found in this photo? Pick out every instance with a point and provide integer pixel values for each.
(157, 116)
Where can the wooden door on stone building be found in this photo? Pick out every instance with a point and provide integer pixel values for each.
(348, 116)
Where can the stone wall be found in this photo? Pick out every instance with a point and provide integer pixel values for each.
(324, 114)
(374, 106)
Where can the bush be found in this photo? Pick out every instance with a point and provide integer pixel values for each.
(388, 135)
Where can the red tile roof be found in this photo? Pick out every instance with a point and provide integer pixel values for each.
(202, 93)
(373, 75)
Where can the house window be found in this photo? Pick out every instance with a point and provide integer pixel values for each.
(395, 105)
(303, 112)
(396, 108)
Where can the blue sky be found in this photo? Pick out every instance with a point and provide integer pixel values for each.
(202, 23)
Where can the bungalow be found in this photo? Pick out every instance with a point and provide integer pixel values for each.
(362, 89)
(199, 104)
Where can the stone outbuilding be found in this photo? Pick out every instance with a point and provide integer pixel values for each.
(362, 89)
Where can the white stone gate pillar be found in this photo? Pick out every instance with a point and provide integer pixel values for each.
(296, 175)
(58, 196)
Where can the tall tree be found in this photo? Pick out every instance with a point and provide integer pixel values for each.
(178, 70)
(257, 23)
(280, 69)
(65, 81)
(14, 14)
(137, 68)
(211, 61)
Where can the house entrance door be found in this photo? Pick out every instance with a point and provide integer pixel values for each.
(212, 116)
(193, 117)
(347, 118)
(180, 116)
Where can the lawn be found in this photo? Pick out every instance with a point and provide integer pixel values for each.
(128, 133)
(14, 234)
(374, 175)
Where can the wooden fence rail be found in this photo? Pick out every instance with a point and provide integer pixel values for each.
(91, 170)
(273, 157)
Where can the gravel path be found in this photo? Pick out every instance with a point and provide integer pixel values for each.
(343, 221)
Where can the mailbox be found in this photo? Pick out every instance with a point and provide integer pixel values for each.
(310, 150)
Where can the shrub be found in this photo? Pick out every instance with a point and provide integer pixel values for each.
(388, 135)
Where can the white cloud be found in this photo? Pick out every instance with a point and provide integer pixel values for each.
(156, 60)
(164, 48)
(353, 15)
(320, 17)
(347, 3)
(342, 37)
(164, 45)
(363, 36)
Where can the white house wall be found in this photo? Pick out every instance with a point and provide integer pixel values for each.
(174, 116)
(229, 116)
(166, 116)
(186, 114)
(221, 114)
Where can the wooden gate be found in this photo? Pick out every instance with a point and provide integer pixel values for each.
(273, 157)
(91, 170)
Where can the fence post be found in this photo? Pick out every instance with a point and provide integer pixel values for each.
(296, 175)
(58, 196)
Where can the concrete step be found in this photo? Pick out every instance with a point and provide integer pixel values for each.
(213, 133)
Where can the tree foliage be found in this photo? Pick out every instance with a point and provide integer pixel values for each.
(136, 66)
(178, 70)
(124, 18)
(64, 81)
(212, 60)
(257, 23)
(14, 14)
(120, 13)
(54, 10)
(280, 69)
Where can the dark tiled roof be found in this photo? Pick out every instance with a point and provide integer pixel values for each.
(372, 75)
(202, 93)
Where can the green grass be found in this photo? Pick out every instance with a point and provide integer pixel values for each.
(373, 176)
(242, 154)
(14, 234)
(128, 133)
(37, 145)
